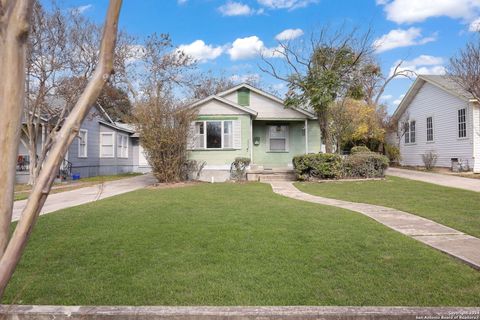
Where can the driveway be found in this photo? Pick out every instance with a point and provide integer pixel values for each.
(436, 178)
(88, 194)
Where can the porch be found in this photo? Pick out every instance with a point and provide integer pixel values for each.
(275, 143)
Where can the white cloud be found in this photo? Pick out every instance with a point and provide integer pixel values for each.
(410, 11)
(474, 26)
(249, 77)
(397, 38)
(232, 8)
(201, 51)
(286, 4)
(82, 9)
(289, 34)
(397, 101)
(251, 47)
(386, 97)
(423, 64)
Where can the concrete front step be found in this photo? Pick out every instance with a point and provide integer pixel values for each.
(276, 177)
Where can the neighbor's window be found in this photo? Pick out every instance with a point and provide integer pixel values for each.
(107, 145)
(82, 143)
(407, 132)
(462, 123)
(122, 146)
(412, 131)
(214, 134)
(430, 129)
(278, 138)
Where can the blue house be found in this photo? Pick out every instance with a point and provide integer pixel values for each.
(102, 147)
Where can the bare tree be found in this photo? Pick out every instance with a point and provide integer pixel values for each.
(464, 68)
(13, 32)
(374, 81)
(164, 129)
(206, 84)
(321, 71)
(46, 60)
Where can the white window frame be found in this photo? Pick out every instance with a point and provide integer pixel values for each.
(222, 132)
(122, 146)
(465, 123)
(408, 133)
(287, 138)
(85, 145)
(414, 132)
(102, 134)
(433, 129)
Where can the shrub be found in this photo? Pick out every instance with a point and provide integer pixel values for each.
(392, 152)
(429, 160)
(238, 168)
(365, 165)
(359, 149)
(192, 169)
(319, 165)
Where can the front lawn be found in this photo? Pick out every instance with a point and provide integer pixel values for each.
(456, 208)
(230, 244)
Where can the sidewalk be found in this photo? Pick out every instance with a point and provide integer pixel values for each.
(443, 238)
(88, 194)
(437, 178)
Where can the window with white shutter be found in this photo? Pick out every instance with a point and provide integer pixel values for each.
(216, 134)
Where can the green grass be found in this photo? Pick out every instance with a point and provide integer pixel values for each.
(452, 207)
(230, 244)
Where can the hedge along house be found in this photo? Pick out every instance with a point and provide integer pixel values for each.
(247, 122)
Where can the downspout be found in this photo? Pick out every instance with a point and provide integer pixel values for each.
(306, 136)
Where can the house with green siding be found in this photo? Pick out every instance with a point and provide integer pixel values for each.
(247, 122)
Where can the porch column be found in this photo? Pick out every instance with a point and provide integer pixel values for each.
(306, 136)
(43, 135)
(251, 140)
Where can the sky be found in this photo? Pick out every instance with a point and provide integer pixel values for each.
(227, 36)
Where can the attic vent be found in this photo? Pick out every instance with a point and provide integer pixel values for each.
(243, 96)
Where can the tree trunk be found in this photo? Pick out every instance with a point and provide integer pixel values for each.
(14, 15)
(323, 121)
(64, 138)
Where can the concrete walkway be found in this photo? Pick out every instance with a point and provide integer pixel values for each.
(437, 178)
(448, 240)
(88, 194)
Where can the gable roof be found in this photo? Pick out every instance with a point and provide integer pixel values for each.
(265, 94)
(446, 83)
(225, 101)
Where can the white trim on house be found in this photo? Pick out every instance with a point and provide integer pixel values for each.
(102, 145)
(202, 137)
(228, 102)
(83, 148)
(465, 122)
(265, 94)
(286, 137)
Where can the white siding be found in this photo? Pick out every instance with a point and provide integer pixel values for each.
(267, 108)
(432, 101)
(214, 107)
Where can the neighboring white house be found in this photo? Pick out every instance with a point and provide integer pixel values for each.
(439, 116)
